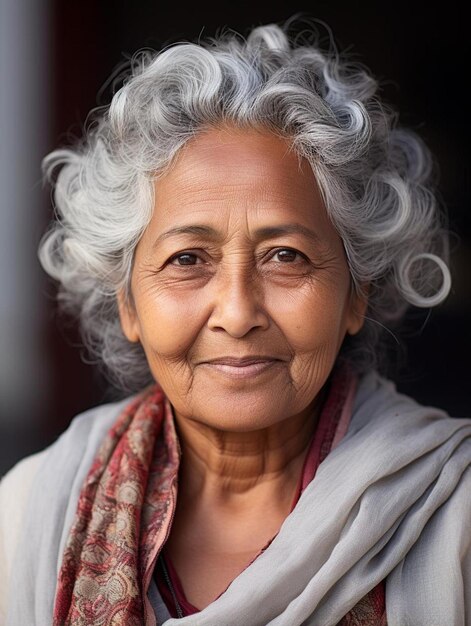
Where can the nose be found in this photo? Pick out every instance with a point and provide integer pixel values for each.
(238, 305)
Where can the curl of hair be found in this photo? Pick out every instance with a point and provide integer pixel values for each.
(373, 175)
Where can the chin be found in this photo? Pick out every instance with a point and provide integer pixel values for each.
(244, 415)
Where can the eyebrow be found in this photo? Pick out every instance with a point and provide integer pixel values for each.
(266, 232)
(202, 231)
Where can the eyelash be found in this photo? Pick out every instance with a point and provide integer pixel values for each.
(180, 254)
(192, 253)
(299, 254)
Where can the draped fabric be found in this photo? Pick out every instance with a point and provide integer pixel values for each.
(391, 501)
(126, 505)
(331, 426)
(121, 515)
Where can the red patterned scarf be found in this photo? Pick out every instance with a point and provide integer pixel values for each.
(125, 510)
(122, 515)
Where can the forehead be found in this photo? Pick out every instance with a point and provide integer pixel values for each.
(251, 174)
(218, 147)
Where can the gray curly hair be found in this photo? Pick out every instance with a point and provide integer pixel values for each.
(373, 176)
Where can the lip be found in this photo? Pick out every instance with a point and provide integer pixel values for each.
(240, 368)
(234, 361)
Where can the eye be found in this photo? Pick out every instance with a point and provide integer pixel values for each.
(185, 258)
(287, 255)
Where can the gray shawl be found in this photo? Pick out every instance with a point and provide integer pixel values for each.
(392, 500)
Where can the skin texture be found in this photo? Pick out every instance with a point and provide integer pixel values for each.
(249, 280)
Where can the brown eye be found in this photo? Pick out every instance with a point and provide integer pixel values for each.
(185, 258)
(286, 256)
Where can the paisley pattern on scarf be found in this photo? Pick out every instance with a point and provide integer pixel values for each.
(125, 510)
(122, 508)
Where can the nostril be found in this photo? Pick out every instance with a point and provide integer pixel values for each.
(238, 319)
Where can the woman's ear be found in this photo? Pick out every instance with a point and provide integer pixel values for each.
(128, 316)
(358, 306)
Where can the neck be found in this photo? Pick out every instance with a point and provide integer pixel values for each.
(220, 466)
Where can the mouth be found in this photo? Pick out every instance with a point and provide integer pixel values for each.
(245, 367)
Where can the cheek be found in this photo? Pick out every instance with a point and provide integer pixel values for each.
(169, 322)
(312, 318)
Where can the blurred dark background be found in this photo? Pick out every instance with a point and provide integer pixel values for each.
(55, 61)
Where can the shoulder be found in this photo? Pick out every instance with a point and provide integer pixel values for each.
(14, 490)
(377, 398)
(59, 469)
(417, 438)
(82, 428)
(404, 436)
(86, 429)
(396, 423)
(420, 459)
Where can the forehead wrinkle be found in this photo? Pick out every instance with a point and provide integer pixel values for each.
(256, 176)
(205, 231)
(206, 193)
(247, 194)
(269, 179)
(261, 194)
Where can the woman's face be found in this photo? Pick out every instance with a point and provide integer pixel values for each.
(241, 289)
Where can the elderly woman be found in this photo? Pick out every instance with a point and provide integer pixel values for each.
(233, 232)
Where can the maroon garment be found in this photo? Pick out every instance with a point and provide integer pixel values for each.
(187, 607)
(371, 609)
